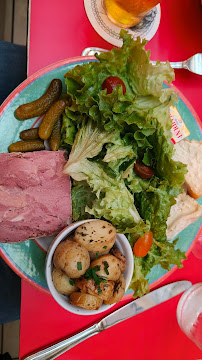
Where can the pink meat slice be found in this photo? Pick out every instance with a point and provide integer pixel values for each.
(35, 195)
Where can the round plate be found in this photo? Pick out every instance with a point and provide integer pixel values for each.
(27, 259)
(146, 28)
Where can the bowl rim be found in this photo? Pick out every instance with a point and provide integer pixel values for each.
(62, 299)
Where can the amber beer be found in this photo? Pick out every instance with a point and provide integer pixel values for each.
(127, 13)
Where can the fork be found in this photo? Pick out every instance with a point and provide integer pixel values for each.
(193, 64)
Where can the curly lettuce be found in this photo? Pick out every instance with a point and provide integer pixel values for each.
(113, 200)
(107, 133)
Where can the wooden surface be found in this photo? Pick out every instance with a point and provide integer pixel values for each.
(13, 21)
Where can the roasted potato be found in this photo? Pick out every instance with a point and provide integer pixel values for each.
(96, 236)
(104, 290)
(71, 258)
(121, 258)
(109, 267)
(63, 284)
(97, 254)
(71, 237)
(86, 301)
(119, 291)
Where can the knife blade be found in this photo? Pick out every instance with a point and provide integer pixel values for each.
(144, 303)
(135, 307)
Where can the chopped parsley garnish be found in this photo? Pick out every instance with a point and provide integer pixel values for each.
(105, 247)
(99, 290)
(106, 267)
(91, 274)
(71, 282)
(79, 265)
(96, 255)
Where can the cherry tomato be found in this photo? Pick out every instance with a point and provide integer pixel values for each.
(110, 83)
(143, 244)
(143, 171)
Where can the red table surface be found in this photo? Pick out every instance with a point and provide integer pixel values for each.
(58, 30)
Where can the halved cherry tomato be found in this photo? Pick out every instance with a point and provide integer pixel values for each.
(143, 244)
(110, 83)
(143, 171)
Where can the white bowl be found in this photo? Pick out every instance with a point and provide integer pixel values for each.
(121, 243)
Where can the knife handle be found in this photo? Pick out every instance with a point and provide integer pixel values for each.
(53, 351)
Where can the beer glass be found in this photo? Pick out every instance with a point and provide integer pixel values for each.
(128, 13)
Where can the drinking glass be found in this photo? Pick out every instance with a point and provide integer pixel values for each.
(197, 249)
(189, 314)
(128, 13)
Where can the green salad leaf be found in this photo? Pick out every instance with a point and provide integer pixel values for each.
(82, 196)
(156, 198)
(162, 253)
(133, 63)
(139, 284)
(68, 131)
(114, 201)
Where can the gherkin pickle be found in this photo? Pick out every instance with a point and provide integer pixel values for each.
(30, 134)
(41, 105)
(54, 140)
(50, 118)
(26, 146)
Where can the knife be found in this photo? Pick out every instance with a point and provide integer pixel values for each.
(127, 311)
